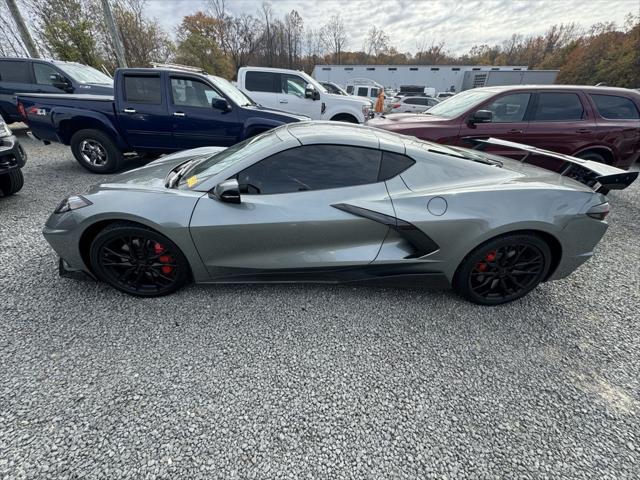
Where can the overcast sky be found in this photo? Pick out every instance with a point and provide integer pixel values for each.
(409, 23)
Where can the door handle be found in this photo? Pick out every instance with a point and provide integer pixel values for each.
(129, 110)
(583, 130)
(178, 114)
(284, 101)
(514, 130)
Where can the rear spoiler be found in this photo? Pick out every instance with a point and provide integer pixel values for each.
(598, 176)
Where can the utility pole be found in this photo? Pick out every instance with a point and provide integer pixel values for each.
(117, 44)
(22, 29)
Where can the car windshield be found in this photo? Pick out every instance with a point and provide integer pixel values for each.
(215, 164)
(453, 106)
(313, 82)
(235, 95)
(84, 74)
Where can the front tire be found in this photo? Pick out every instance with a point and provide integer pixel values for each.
(503, 269)
(138, 261)
(11, 182)
(96, 151)
(345, 117)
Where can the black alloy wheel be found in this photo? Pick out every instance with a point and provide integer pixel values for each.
(138, 261)
(503, 269)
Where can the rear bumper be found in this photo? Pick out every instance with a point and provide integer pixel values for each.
(12, 155)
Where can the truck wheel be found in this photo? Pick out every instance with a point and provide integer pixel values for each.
(95, 151)
(345, 117)
(11, 182)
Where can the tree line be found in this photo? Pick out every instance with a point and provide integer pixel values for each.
(220, 42)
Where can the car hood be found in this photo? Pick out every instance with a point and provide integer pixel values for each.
(277, 114)
(153, 175)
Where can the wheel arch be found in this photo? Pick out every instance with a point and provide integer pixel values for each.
(68, 127)
(344, 117)
(607, 153)
(551, 240)
(89, 234)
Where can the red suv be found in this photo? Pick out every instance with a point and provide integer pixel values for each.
(595, 123)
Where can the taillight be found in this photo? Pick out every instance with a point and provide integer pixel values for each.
(599, 212)
(22, 111)
(395, 105)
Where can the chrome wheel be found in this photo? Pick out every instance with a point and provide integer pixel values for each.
(93, 152)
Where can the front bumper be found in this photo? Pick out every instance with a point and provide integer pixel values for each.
(62, 234)
(12, 155)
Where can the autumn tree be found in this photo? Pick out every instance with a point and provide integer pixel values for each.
(198, 45)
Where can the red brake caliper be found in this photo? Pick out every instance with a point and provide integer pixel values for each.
(159, 248)
(489, 257)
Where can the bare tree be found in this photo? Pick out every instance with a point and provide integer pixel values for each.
(376, 43)
(334, 36)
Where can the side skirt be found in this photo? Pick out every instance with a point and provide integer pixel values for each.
(405, 274)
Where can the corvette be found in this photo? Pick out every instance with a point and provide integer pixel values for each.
(329, 202)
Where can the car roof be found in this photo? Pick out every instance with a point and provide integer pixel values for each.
(341, 133)
(585, 88)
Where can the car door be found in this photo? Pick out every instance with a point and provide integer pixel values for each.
(292, 216)
(196, 122)
(560, 122)
(142, 111)
(508, 122)
(15, 77)
(292, 99)
(263, 87)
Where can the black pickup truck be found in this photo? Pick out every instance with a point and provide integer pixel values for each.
(155, 110)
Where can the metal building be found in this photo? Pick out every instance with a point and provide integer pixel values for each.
(440, 77)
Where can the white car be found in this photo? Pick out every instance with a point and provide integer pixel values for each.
(411, 104)
(296, 92)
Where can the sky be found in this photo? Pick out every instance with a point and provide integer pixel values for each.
(460, 24)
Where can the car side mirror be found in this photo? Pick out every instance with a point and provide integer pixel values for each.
(227, 191)
(311, 92)
(481, 116)
(221, 104)
(60, 82)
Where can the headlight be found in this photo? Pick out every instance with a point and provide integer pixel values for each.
(365, 110)
(5, 131)
(72, 203)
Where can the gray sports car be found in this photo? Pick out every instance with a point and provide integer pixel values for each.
(330, 202)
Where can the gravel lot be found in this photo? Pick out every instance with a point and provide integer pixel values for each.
(311, 381)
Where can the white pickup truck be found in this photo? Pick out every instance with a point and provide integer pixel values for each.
(296, 92)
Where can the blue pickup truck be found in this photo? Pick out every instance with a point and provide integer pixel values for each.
(154, 111)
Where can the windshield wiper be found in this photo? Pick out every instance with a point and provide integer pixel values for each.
(175, 175)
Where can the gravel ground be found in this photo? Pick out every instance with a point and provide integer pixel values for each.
(311, 381)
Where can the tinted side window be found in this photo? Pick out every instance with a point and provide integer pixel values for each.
(411, 101)
(362, 91)
(142, 89)
(16, 72)
(614, 107)
(393, 164)
(311, 167)
(558, 106)
(350, 89)
(374, 92)
(43, 73)
(509, 108)
(261, 82)
(192, 93)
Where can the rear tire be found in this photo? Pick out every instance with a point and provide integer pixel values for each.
(138, 261)
(11, 182)
(96, 151)
(503, 269)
